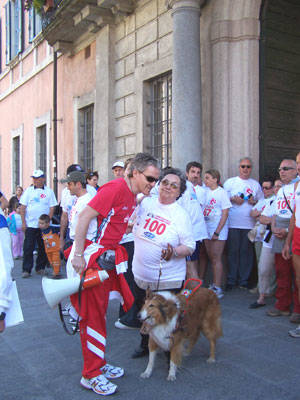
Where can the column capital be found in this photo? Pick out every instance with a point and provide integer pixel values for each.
(176, 4)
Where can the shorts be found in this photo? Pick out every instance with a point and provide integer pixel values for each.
(296, 241)
(195, 255)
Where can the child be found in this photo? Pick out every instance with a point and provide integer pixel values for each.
(14, 222)
(51, 241)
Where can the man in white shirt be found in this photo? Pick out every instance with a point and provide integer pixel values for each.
(244, 193)
(37, 199)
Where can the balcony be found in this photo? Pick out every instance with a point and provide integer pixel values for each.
(72, 22)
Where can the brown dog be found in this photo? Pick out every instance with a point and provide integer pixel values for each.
(173, 321)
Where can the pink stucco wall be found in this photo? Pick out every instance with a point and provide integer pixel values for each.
(26, 93)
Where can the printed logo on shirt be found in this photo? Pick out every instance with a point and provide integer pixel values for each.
(149, 235)
(283, 211)
(43, 195)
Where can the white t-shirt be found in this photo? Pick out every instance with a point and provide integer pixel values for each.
(281, 208)
(190, 203)
(156, 226)
(239, 215)
(79, 205)
(216, 201)
(37, 202)
(201, 194)
(269, 211)
(297, 206)
(67, 199)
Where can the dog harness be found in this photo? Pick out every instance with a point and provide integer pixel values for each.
(188, 292)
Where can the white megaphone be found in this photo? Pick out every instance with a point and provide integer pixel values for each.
(55, 290)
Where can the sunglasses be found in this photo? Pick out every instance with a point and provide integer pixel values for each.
(150, 179)
(285, 168)
(245, 166)
(266, 187)
(173, 185)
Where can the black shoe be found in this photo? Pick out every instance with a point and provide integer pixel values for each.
(257, 305)
(228, 287)
(140, 352)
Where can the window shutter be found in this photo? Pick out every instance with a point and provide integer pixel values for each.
(8, 32)
(18, 27)
(38, 23)
(30, 24)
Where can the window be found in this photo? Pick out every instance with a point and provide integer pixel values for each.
(86, 127)
(14, 28)
(41, 148)
(16, 161)
(161, 118)
(35, 23)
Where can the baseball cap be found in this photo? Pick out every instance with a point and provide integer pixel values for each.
(118, 164)
(74, 167)
(38, 173)
(75, 176)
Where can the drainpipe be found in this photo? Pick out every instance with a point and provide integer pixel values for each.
(55, 123)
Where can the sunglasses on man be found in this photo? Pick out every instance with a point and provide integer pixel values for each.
(149, 178)
(245, 166)
(285, 168)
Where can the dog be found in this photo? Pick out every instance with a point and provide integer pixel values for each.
(174, 323)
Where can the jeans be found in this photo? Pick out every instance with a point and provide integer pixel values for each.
(33, 236)
(240, 257)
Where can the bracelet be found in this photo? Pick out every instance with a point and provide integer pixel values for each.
(217, 234)
(78, 255)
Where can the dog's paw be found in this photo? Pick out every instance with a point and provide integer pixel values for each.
(211, 360)
(171, 377)
(145, 375)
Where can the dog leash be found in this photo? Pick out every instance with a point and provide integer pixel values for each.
(159, 275)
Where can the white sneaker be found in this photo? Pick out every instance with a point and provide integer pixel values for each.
(66, 309)
(217, 290)
(99, 384)
(119, 325)
(111, 372)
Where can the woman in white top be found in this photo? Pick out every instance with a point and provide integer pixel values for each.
(215, 212)
(163, 237)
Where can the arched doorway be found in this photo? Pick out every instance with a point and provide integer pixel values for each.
(279, 83)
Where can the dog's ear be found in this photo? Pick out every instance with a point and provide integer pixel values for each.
(149, 293)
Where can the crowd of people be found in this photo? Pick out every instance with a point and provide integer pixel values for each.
(152, 228)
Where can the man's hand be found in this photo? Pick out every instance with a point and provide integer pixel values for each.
(237, 200)
(252, 201)
(79, 264)
(286, 252)
(167, 253)
(280, 233)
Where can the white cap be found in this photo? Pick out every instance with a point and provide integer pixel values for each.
(118, 164)
(38, 173)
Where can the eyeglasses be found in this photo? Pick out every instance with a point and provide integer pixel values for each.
(150, 179)
(245, 166)
(285, 168)
(266, 187)
(166, 183)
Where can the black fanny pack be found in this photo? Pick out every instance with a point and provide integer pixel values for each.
(107, 260)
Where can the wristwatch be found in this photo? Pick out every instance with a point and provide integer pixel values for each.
(2, 316)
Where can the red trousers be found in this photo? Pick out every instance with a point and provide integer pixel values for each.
(287, 291)
(92, 310)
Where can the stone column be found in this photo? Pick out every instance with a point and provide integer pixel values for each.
(186, 83)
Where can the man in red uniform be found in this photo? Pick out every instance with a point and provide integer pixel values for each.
(112, 205)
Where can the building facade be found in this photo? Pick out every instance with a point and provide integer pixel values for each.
(185, 80)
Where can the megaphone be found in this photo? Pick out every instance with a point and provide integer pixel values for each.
(55, 290)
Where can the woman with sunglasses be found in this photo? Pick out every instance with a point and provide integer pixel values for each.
(215, 212)
(162, 239)
(92, 179)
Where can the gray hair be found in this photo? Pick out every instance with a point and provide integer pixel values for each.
(246, 158)
(175, 171)
(140, 162)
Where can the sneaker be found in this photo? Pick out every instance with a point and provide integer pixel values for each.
(99, 384)
(72, 321)
(26, 274)
(274, 312)
(295, 332)
(120, 325)
(295, 318)
(217, 290)
(41, 272)
(253, 290)
(111, 372)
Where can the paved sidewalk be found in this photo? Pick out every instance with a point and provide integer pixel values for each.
(256, 359)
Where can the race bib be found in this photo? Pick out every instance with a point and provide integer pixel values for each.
(152, 228)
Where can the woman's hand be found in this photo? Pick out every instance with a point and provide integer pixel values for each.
(167, 253)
